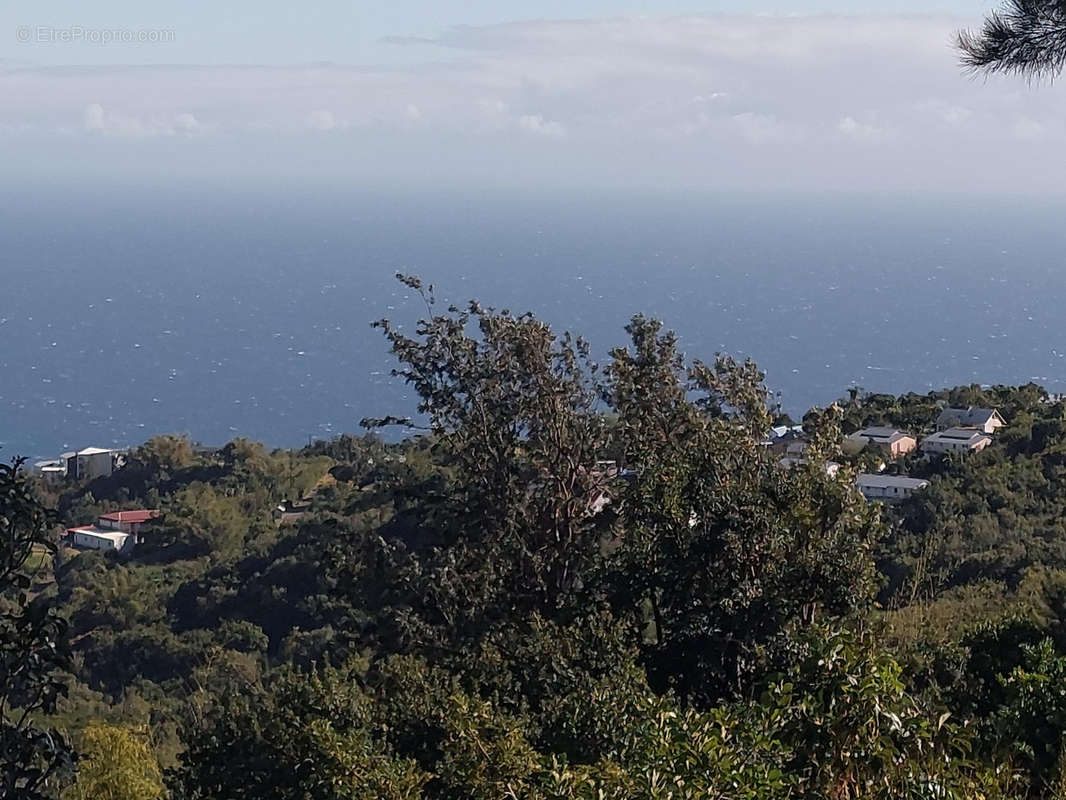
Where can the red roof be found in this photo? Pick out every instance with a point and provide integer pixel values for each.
(131, 516)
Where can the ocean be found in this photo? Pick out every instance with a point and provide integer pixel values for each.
(222, 312)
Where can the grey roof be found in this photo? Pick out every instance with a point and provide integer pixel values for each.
(958, 435)
(881, 434)
(967, 416)
(970, 436)
(888, 481)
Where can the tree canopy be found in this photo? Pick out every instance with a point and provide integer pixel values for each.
(569, 579)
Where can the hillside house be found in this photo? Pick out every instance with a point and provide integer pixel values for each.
(893, 442)
(888, 487)
(289, 512)
(86, 464)
(128, 521)
(956, 440)
(785, 437)
(120, 530)
(53, 471)
(986, 420)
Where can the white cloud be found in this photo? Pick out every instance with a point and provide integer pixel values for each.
(765, 128)
(186, 123)
(100, 121)
(794, 101)
(321, 120)
(863, 131)
(1027, 129)
(94, 117)
(537, 125)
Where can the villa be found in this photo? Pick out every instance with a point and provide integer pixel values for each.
(888, 487)
(892, 442)
(986, 420)
(119, 530)
(956, 440)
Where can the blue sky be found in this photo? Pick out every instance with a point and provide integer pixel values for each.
(345, 32)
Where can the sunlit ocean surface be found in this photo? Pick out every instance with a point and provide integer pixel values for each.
(221, 313)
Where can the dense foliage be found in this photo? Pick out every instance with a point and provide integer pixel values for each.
(570, 580)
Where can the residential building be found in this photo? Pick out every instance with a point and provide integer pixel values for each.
(893, 442)
(290, 512)
(87, 464)
(956, 440)
(91, 537)
(93, 462)
(52, 471)
(784, 438)
(119, 530)
(888, 487)
(128, 521)
(986, 420)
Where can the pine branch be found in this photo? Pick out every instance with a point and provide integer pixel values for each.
(1025, 37)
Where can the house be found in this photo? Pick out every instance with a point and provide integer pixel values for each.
(119, 530)
(91, 537)
(52, 471)
(128, 521)
(986, 420)
(956, 440)
(782, 438)
(292, 511)
(892, 442)
(90, 463)
(888, 487)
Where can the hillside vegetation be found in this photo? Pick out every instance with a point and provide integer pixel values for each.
(568, 580)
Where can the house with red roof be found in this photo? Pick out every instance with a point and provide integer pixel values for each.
(119, 530)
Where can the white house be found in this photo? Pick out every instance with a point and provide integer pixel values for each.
(127, 521)
(888, 487)
(52, 471)
(986, 420)
(93, 538)
(956, 440)
(119, 530)
(94, 462)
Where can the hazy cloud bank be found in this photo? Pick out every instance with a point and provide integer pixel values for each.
(771, 102)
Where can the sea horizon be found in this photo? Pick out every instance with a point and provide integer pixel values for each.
(224, 313)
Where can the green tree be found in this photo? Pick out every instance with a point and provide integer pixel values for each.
(33, 652)
(724, 552)
(514, 413)
(310, 737)
(115, 764)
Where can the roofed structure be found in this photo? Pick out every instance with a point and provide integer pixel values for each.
(888, 487)
(956, 440)
(987, 420)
